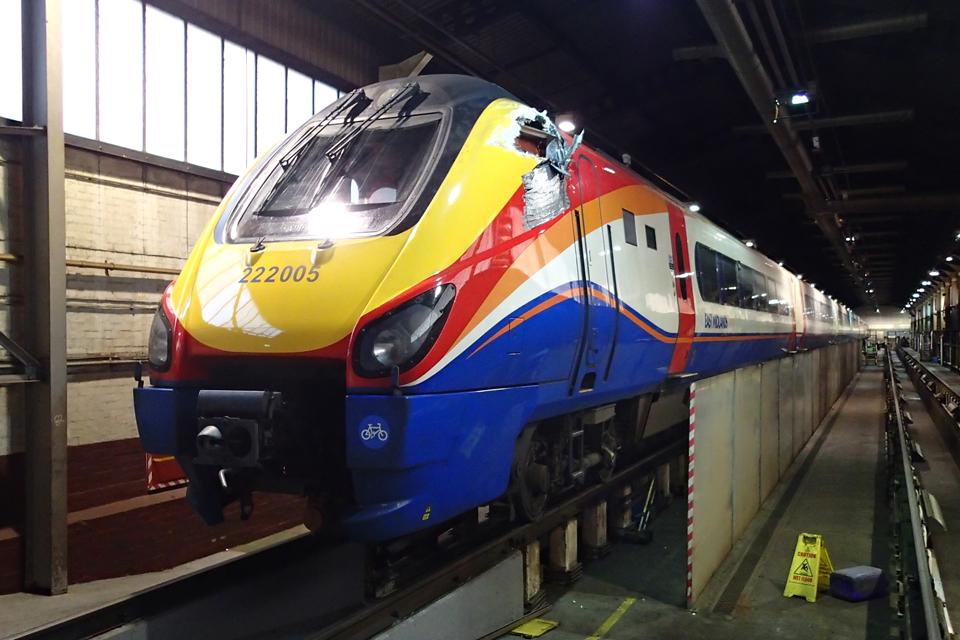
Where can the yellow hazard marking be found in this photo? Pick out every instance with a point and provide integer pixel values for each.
(161, 458)
(426, 514)
(612, 620)
(534, 628)
(810, 569)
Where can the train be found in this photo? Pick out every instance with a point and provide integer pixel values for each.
(428, 298)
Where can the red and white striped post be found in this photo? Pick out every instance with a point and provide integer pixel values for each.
(693, 390)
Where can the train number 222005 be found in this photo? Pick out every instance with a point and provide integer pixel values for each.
(276, 274)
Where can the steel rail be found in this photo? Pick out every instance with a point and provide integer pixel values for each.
(924, 578)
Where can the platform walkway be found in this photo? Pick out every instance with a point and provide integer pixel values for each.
(950, 377)
(836, 487)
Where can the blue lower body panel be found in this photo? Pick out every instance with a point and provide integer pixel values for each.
(167, 422)
(421, 459)
(166, 419)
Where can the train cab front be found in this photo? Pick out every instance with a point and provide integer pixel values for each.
(315, 267)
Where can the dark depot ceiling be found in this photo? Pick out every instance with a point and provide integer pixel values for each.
(857, 189)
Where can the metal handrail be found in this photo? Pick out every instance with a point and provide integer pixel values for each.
(924, 578)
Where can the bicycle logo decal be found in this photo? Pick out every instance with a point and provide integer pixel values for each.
(374, 432)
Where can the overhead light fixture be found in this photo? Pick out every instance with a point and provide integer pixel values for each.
(749, 243)
(799, 276)
(934, 273)
(780, 263)
(916, 295)
(949, 258)
(799, 98)
(694, 207)
(567, 122)
(926, 283)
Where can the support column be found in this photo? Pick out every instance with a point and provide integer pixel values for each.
(534, 595)
(564, 567)
(595, 543)
(46, 400)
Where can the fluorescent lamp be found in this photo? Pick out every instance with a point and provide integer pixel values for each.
(934, 273)
(949, 258)
(749, 243)
(799, 98)
(694, 207)
(567, 126)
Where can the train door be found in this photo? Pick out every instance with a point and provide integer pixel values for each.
(683, 275)
(600, 303)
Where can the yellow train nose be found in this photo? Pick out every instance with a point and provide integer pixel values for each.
(289, 297)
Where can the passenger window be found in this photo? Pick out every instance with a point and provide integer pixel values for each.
(760, 297)
(728, 281)
(746, 286)
(681, 267)
(651, 237)
(630, 227)
(786, 302)
(707, 276)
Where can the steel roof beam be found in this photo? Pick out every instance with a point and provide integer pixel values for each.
(881, 117)
(820, 36)
(901, 204)
(874, 167)
(866, 29)
(872, 191)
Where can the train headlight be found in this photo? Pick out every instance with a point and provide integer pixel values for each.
(402, 337)
(159, 342)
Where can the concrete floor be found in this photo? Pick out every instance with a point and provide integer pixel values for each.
(841, 495)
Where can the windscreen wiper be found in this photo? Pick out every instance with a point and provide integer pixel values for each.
(294, 154)
(408, 91)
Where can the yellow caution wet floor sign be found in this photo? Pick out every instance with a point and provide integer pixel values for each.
(810, 568)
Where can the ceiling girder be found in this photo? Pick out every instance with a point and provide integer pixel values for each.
(899, 204)
(880, 117)
(820, 36)
(873, 167)
(872, 191)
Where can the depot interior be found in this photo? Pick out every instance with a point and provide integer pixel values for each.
(823, 134)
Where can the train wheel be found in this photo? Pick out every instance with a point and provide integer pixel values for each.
(533, 483)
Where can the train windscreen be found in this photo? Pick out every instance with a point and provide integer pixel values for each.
(344, 181)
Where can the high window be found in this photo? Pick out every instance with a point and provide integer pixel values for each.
(143, 79)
